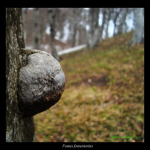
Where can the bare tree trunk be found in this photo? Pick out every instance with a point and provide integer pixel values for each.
(77, 37)
(76, 20)
(70, 31)
(85, 16)
(42, 27)
(122, 20)
(115, 14)
(103, 23)
(74, 24)
(34, 81)
(61, 25)
(138, 35)
(93, 34)
(126, 27)
(52, 15)
(109, 11)
(91, 30)
(74, 36)
(18, 129)
(36, 27)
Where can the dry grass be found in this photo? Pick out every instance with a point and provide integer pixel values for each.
(104, 96)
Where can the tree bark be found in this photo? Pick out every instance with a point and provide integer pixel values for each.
(52, 15)
(138, 35)
(36, 27)
(18, 129)
(34, 81)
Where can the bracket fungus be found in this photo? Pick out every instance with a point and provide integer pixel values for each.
(41, 83)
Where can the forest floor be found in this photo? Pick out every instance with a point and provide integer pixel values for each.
(103, 99)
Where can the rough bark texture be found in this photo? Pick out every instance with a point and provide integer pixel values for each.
(18, 129)
(138, 35)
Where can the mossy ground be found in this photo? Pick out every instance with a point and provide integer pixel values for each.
(103, 98)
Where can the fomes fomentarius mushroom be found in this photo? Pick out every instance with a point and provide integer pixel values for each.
(41, 82)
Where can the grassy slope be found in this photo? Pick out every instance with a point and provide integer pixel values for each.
(104, 96)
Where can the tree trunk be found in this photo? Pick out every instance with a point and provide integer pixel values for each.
(85, 16)
(103, 23)
(138, 35)
(74, 37)
(116, 14)
(36, 27)
(91, 30)
(18, 129)
(34, 81)
(77, 37)
(42, 27)
(52, 14)
(94, 31)
(108, 19)
(76, 20)
(122, 20)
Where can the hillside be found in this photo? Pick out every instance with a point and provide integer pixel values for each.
(103, 98)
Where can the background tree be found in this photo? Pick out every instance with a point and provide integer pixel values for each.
(116, 12)
(138, 35)
(76, 25)
(36, 28)
(29, 27)
(52, 22)
(93, 33)
(60, 21)
(18, 129)
(25, 10)
(128, 16)
(103, 22)
(84, 19)
(109, 13)
(122, 20)
(43, 22)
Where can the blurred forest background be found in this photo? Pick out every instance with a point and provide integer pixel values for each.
(104, 94)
